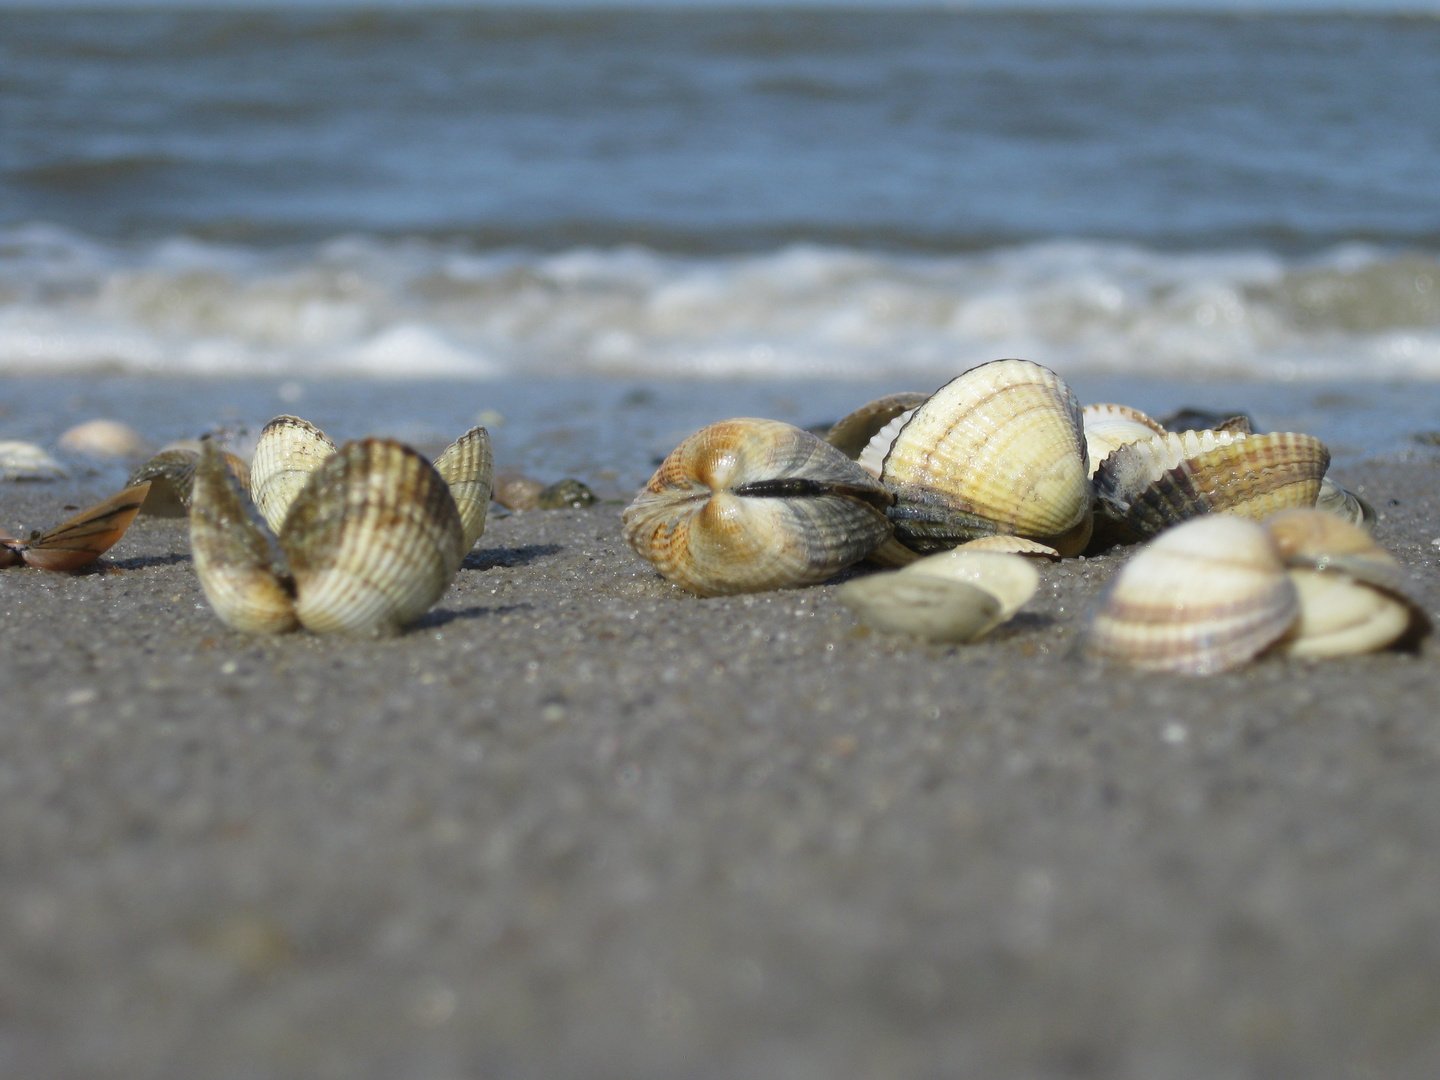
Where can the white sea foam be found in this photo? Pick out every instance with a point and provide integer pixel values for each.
(408, 308)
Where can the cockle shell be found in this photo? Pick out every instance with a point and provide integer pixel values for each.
(171, 473)
(1354, 595)
(289, 450)
(955, 596)
(1201, 598)
(1149, 485)
(748, 505)
(371, 542)
(851, 434)
(80, 540)
(26, 461)
(468, 467)
(105, 439)
(872, 456)
(1109, 427)
(1000, 449)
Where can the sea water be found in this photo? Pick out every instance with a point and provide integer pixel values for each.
(841, 198)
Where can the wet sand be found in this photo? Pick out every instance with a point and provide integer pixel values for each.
(579, 823)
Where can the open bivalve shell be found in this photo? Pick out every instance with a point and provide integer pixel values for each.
(1000, 449)
(956, 596)
(1144, 487)
(371, 541)
(1353, 593)
(171, 475)
(851, 434)
(80, 540)
(748, 505)
(1109, 427)
(1201, 598)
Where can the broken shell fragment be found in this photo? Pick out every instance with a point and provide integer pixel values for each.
(26, 461)
(1000, 449)
(1144, 487)
(936, 597)
(749, 505)
(1012, 545)
(80, 540)
(289, 450)
(371, 541)
(1201, 598)
(1344, 504)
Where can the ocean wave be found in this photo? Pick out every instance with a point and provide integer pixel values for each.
(361, 305)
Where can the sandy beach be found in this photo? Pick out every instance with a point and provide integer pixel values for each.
(579, 823)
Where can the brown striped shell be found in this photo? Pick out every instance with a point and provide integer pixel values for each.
(371, 541)
(81, 539)
(748, 505)
(171, 473)
(1144, 487)
(1000, 449)
(1201, 598)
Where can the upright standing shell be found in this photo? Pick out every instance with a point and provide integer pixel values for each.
(1200, 598)
(748, 505)
(80, 540)
(372, 540)
(1000, 449)
(850, 434)
(171, 473)
(289, 450)
(1150, 485)
(1345, 504)
(1109, 427)
(468, 467)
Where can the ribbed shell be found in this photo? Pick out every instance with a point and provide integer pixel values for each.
(171, 473)
(1000, 449)
(851, 434)
(1201, 598)
(232, 558)
(372, 540)
(289, 450)
(1151, 485)
(468, 467)
(1109, 427)
(748, 505)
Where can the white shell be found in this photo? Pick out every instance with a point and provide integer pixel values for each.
(1340, 616)
(1011, 579)
(26, 461)
(105, 439)
(289, 450)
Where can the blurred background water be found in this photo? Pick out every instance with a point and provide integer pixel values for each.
(750, 192)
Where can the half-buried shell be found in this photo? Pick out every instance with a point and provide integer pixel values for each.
(371, 541)
(1201, 598)
(1000, 449)
(956, 596)
(748, 505)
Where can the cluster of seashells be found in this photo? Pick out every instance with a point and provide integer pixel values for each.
(1006, 459)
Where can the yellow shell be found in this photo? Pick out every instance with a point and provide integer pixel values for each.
(998, 450)
(748, 505)
(1147, 486)
(371, 541)
(1201, 598)
(956, 596)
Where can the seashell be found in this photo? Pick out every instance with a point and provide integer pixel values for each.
(1147, 486)
(1345, 504)
(288, 451)
(998, 450)
(1109, 427)
(467, 466)
(171, 473)
(872, 457)
(748, 505)
(1353, 593)
(80, 540)
(516, 492)
(26, 461)
(956, 596)
(568, 494)
(1192, 419)
(1012, 545)
(851, 434)
(1201, 598)
(105, 439)
(371, 541)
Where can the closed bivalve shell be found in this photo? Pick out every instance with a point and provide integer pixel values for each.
(372, 540)
(105, 439)
(1315, 540)
(1150, 485)
(289, 450)
(748, 505)
(1000, 449)
(936, 609)
(1201, 598)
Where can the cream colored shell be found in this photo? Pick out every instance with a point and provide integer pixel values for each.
(288, 451)
(748, 505)
(1000, 449)
(1109, 427)
(955, 596)
(468, 466)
